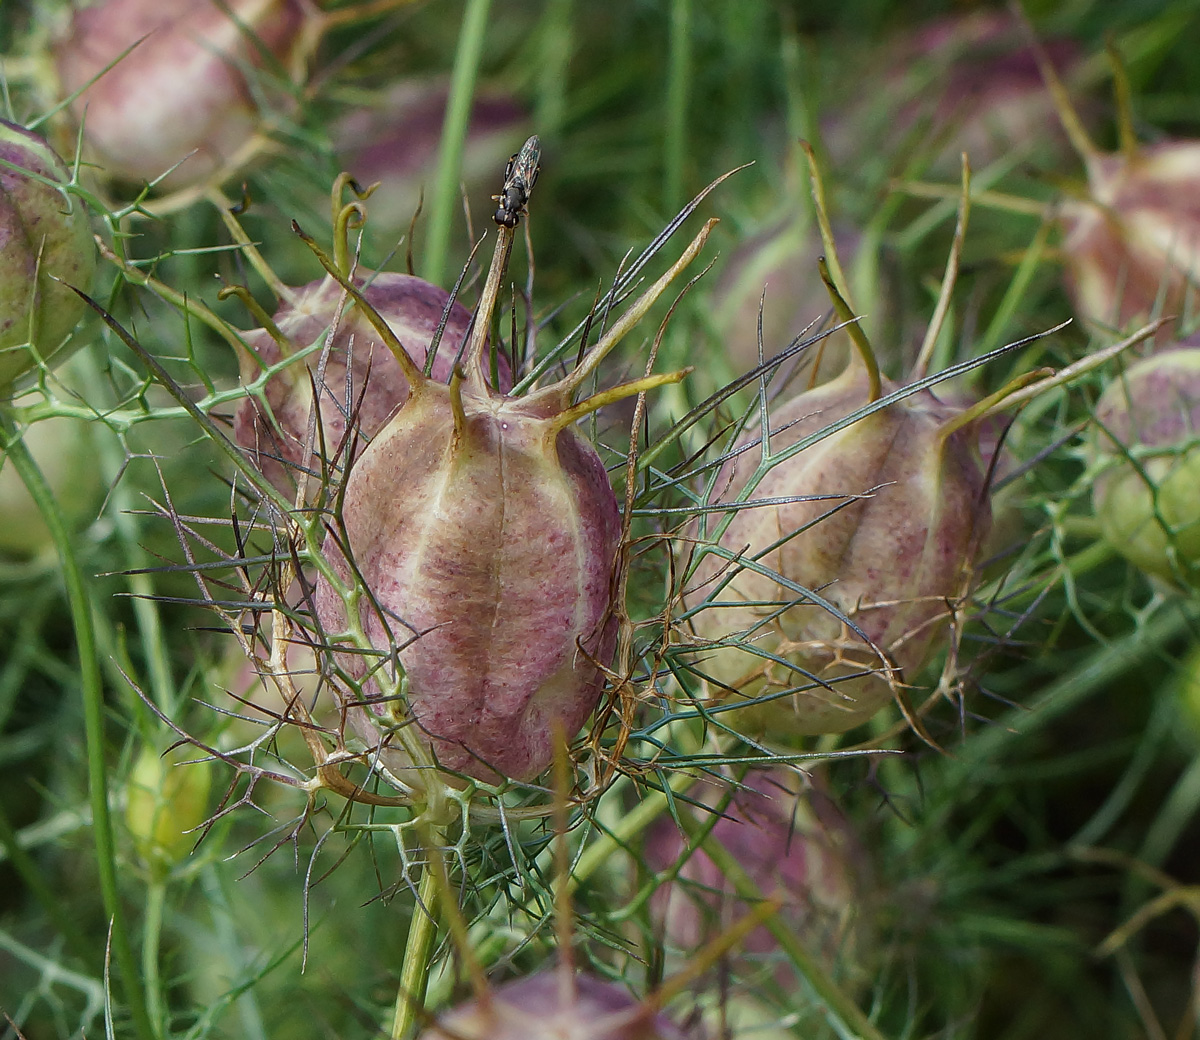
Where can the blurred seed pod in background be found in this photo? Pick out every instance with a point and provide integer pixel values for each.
(1131, 246)
(1131, 234)
(393, 141)
(792, 840)
(187, 83)
(166, 799)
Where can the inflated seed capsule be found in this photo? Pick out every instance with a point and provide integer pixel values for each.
(1131, 238)
(483, 529)
(1146, 442)
(791, 838)
(1132, 246)
(166, 85)
(166, 800)
(45, 248)
(884, 518)
(546, 1006)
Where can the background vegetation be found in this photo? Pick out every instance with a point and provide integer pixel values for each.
(1028, 870)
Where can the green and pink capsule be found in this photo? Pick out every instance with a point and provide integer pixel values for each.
(1131, 235)
(46, 248)
(824, 580)
(169, 91)
(793, 841)
(882, 519)
(553, 1005)
(483, 530)
(1146, 445)
(1132, 245)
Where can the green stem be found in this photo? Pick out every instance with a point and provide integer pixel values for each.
(237, 963)
(414, 972)
(925, 354)
(91, 685)
(679, 78)
(156, 892)
(1177, 812)
(851, 1020)
(557, 46)
(1015, 293)
(859, 338)
(454, 134)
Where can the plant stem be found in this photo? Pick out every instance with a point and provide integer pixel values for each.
(236, 961)
(156, 892)
(414, 972)
(679, 77)
(92, 688)
(454, 134)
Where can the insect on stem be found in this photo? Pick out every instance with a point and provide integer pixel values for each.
(519, 178)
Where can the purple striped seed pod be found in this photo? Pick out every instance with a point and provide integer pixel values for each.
(794, 843)
(469, 618)
(890, 516)
(487, 540)
(1132, 246)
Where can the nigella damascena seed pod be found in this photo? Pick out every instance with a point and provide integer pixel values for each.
(546, 1006)
(45, 247)
(793, 841)
(489, 528)
(355, 375)
(180, 97)
(1146, 441)
(1131, 237)
(893, 562)
(1132, 245)
(484, 528)
(166, 801)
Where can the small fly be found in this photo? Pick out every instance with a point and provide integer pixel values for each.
(519, 179)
